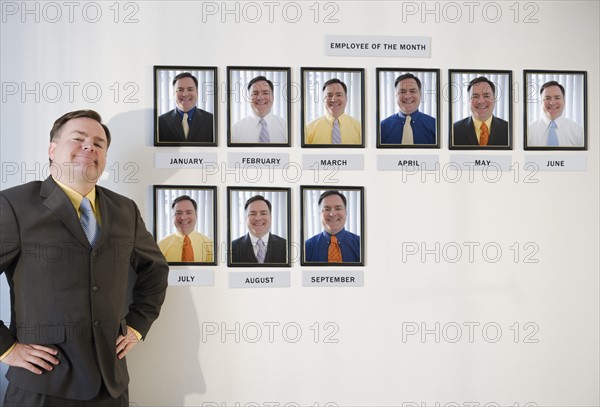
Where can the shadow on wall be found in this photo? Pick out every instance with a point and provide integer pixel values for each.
(167, 365)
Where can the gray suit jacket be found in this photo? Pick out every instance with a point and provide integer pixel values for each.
(72, 297)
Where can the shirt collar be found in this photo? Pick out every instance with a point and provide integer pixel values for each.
(254, 239)
(75, 197)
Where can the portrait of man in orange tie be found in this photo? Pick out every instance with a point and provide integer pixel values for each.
(482, 128)
(186, 244)
(335, 244)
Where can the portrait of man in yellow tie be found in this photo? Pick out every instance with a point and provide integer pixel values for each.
(407, 108)
(191, 121)
(489, 110)
(337, 239)
(182, 237)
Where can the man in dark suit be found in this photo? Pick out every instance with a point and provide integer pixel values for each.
(481, 128)
(186, 123)
(259, 245)
(67, 247)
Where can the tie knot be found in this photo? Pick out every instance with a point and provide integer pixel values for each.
(186, 239)
(260, 243)
(334, 239)
(552, 124)
(262, 122)
(408, 118)
(185, 116)
(85, 205)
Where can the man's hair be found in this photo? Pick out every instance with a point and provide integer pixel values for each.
(407, 76)
(482, 79)
(257, 198)
(62, 120)
(332, 192)
(335, 80)
(258, 79)
(185, 75)
(552, 83)
(184, 198)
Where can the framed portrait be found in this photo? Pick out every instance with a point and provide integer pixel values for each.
(185, 106)
(555, 116)
(332, 226)
(259, 107)
(408, 108)
(332, 107)
(185, 223)
(480, 110)
(259, 227)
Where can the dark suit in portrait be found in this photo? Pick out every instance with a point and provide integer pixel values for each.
(70, 296)
(201, 127)
(243, 252)
(464, 133)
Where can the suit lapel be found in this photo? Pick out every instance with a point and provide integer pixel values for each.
(248, 249)
(472, 133)
(107, 211)
(176, 126)
(58, 202)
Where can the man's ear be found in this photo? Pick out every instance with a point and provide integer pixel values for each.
(51, 148)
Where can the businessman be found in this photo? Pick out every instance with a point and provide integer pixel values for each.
(186, 123)
(67, 247)
(482, 128)
(259, 245)
(335, 244)
(409, 126)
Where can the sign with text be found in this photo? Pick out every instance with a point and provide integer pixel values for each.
(377, 46)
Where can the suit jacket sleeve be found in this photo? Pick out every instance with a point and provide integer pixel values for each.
(151, 283)
(9, 252)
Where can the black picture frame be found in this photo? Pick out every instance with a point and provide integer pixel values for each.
(312, 225)
(387, 105)
(573, 114)
(206, 200)
(240, 252)
(165, 116)
(239, 106)
(312, 107)
(461, 135)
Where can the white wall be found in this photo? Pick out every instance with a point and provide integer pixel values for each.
(555, 300)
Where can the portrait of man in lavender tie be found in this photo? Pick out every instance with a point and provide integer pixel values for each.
(554, 128)
(262, 218)
(333, 107)
(259, 106)
(261, 125)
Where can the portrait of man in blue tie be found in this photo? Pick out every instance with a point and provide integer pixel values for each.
(553, 129)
